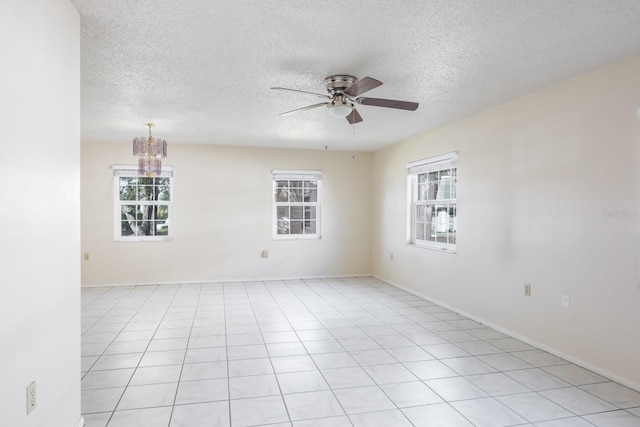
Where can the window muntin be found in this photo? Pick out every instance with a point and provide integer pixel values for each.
(297, 204)
(432, 186)
(143, 205)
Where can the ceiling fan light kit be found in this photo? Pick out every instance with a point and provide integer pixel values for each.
(344, 93)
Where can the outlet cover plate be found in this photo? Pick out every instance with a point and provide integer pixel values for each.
(31, 397)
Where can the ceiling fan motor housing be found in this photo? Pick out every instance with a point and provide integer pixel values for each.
(339, 82)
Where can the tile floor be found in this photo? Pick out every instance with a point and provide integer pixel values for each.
(334, 352)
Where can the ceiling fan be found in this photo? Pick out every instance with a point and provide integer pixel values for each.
(343, 95)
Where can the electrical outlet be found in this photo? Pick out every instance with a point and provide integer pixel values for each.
(86, 256)
(265, 254)
(31, 397)
(566, 301)
(391, 256)
(527, 289)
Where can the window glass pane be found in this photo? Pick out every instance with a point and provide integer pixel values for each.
(311, 185)
(162, 228)
(283, 212)
(161, 212)
(422, 191)
(125, 228)
(128, 180)
(145, 181)
(296, 184)
(296, 227)
(283, 226)
(145, 193)
(453, 222)
(420, 231)
(429, 228)
(296, 212)
(145, 212)
(295, 195)
(441, 218)
(127, 188)
(421, 213)
(445, 188)
(309, 227)
(432, 189)
(162, 192)
(310, 212)
(282, 194)
(144, 228)
(162, 181)
(311, 196)
(128, 212)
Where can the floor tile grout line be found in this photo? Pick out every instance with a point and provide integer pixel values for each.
(265, 283)
(116, 336)
(184, 358)
(143, 353)
(361, 367)
(269, 356)
(226, 347)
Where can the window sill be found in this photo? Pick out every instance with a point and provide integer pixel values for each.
(144, 239)
(449, 250)
(302, 237)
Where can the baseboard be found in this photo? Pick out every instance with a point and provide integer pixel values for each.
(80, 422)
(194, 282)
(541, 346)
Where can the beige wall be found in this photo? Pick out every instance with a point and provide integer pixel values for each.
(535, 176)
(40, 212)
(222, 217)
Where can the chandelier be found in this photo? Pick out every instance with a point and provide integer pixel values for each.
(150, 152)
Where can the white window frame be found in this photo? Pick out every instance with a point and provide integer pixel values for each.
(132, 171)
(424, 166)
(278, 175)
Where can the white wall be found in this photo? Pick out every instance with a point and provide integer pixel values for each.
(534, 178)
(222, 217)
(40, 212)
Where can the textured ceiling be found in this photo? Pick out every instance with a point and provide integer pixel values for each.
(201, 69)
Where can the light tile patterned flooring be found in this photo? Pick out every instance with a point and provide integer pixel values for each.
(333, 352)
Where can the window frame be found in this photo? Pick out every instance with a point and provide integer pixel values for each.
(296, 175)
(132, 171)
(448, 161)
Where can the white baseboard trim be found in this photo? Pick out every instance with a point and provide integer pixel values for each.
(600, 371)
(194, 282)
(80, 422)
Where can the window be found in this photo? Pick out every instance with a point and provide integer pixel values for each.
(296, 204)
(432, 185)
(142, 205)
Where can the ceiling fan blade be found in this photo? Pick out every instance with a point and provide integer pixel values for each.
(354, 117)
(361, 86)
(308, 107)
(321, 95)
(389, 103)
